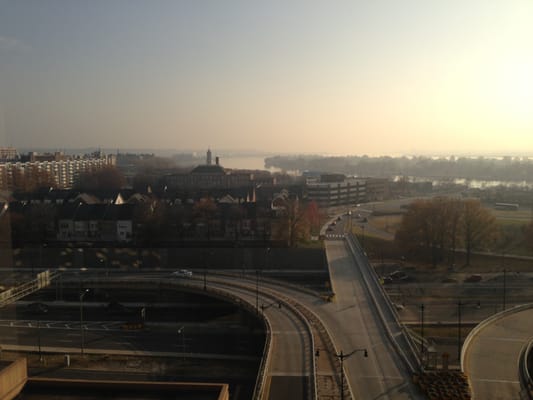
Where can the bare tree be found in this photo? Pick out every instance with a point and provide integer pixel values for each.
(478, 226)
(204, 210)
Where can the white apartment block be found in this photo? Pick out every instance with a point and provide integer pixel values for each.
(65, 172)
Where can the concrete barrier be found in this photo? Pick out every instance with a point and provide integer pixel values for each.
(13, 377)
(479, 327)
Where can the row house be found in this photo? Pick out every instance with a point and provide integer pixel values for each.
(96, 222)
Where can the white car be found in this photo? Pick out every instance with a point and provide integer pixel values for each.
(182, 273)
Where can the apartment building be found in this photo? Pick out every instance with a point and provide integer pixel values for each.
(64, 172)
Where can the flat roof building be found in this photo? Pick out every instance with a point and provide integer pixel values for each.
(336, 190)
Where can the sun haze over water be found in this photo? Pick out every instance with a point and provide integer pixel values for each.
(347, 77)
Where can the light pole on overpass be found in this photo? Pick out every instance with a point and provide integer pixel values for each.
(341, 356)
(181, 331)
(422, 334)
(266, 306)
(82, 295)
(257, 291)
(504, 288)
(39, 339)
(459, 305)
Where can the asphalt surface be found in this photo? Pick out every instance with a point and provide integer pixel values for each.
(491, 361)
(289, 370)
(170, 328)
(355, 324)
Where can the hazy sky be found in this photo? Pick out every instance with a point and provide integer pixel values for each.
(374, 77)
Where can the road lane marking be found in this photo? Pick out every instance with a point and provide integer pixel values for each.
(494, 381)
(503, 339)
(381, 377)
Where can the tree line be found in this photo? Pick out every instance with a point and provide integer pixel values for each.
(502, 169)
(439, 226)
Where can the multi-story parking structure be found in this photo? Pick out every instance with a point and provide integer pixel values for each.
(336, 190)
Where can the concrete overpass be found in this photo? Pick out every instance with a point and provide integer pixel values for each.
(493, 351)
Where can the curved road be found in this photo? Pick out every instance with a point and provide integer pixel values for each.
(491, 360)
(289, 373)
(352, 323)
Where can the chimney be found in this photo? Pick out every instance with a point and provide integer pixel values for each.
(217, 160)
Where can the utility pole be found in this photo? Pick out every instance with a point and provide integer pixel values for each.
(422, 334)
(459, 304)
(82, 295)
(504, 288)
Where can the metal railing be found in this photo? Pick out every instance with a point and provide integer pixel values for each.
(18, 292)
(408, 355)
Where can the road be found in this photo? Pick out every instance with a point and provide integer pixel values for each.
(290, 372)
(352, 323)
(491, 359)
(204, 328)
(355, 324)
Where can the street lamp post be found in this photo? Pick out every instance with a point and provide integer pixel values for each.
(459, 305)
(257, 271)
(257, 291)
(104, 263)
(205, 272)
(267, 255)
(504, 287)
(82, 295)
(341, 356)
(39, 339)
(422, 334)
(266, 306)
(181, 331)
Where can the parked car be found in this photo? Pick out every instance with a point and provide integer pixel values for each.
(398, 276)
(473, 278)
(114, 308)
(182, 273)
(399, 307)
(37, 308)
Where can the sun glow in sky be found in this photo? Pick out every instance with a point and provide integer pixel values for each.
(345, 77)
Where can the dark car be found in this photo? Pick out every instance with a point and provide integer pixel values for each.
(398, 276)
(473, 278)
(37, 308)
(116, 308)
